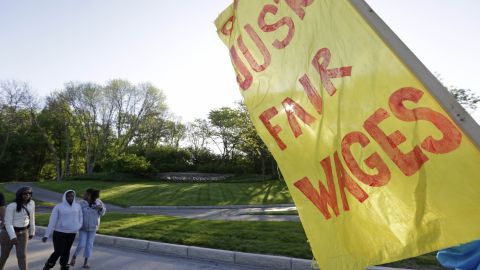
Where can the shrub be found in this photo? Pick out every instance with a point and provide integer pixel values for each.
(168, 158)
(128, 163)
(48, 172)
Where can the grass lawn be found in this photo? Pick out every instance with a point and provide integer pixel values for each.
(279, 238)
(9, 196)
(161, 193)
(275, 238)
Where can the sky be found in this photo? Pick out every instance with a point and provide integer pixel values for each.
(174, 45)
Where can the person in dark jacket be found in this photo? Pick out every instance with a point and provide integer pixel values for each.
(2, 211)
(92, 209)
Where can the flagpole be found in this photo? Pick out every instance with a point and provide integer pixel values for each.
(461, 117)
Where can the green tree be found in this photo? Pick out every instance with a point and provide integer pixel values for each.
(225, 132)
(175, 132)
(94, 114)
(198, 133)
(151, 133)
(14, 97)
(22, 148)
(251, 144)
(56, 122)
(133, 106)
(109, 119)
(466, 97)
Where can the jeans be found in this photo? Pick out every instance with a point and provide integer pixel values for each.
(85, 240)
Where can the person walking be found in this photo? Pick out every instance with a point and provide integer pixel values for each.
(92, 208)
(2, 211)
(65, 221)
(2, 215)
(19, 227)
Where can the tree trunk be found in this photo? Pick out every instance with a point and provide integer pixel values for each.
(86, 162)
(88, 159)
(56, 157)
(58, 168)
(91, 160)
(89, 166)
(4, 147)
(263, 161)
(75, 166)
(66, 167)
(275, 170)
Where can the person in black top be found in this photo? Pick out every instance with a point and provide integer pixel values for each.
(19, 224)
(2, 210)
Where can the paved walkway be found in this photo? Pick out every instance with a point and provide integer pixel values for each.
(203, 212)
(108, 257)
(112, 258)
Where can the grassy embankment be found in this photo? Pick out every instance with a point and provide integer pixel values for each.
(161, 193)
(279, 238)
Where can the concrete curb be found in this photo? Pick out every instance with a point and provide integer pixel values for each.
(211, 206)
(208, 254)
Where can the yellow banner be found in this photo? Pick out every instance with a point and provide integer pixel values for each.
(377, 169)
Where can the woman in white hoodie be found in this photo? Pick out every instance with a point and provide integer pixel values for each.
(65, 221)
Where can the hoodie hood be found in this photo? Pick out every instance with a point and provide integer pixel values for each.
(64, 198)
(65, 218)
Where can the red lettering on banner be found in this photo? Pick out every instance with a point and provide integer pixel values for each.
(246, 82)
(408, 163)
(272, 27)
(345, 181)
(273, 130)
(298, 5)
(260, 45)
(325, 197)
(327, 74)
(228, 26)
(374, 161)
(312, 93)
(291, 108)
(452, 137)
